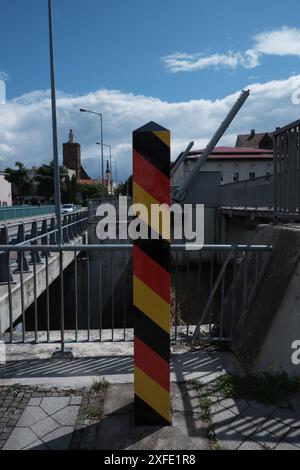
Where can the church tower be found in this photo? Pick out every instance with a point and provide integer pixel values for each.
(72, 156)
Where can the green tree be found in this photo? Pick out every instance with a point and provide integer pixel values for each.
(124, 189)
(69, 190)
(120, 189)
(22, 184)
(90, 191)
(44, 179)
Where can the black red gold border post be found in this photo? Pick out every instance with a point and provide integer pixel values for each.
(151, 279)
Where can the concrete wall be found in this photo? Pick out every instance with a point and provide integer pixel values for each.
(275, 354)
(264, 339)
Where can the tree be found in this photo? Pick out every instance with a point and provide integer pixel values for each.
(44, 179)
(120, 189)
(124, 189)
(69, 190)
(90, 191)
(22, 184)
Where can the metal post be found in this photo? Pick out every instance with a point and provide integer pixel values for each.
(5, 271)
(181, 159)
(102, 161)
(181, 194)
(21, 258)
(54, 132)
(110, 170)
(151, 279)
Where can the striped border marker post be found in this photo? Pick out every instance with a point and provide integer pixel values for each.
(151, 278)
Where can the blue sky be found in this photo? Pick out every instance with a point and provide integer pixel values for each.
(119, 44)
(181, 63)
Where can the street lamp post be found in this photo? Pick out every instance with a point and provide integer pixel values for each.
(54, 132)
(102, 161)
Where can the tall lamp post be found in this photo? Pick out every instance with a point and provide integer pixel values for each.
(54, 132)
(102, 162)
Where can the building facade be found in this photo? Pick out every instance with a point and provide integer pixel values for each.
(232, 163)
(5, 191)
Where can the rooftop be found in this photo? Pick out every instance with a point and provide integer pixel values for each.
(228, 153)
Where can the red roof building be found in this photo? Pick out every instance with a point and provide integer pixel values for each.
(233, 164)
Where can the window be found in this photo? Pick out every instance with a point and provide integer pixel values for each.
(236, 176)
(252, 175)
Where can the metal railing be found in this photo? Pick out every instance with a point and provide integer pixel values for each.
(37, 232)
(22, 212)
(90, 296)
(287, 171)
(257, 193)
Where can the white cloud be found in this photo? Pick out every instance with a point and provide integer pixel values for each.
(281, 42)
(180, 62)
(285, 41)
(25, 122)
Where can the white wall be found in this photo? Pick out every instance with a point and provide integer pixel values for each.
(5, 192)
(244, 168)
(228, 168)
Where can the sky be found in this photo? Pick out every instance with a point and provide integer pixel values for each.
(181, 64)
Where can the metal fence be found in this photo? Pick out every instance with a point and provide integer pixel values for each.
(21, 212)
(84, 292)
(287, 170)
(257, 193)
(37, 232)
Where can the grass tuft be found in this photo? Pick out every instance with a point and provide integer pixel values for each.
(100, 385)
(265, 388)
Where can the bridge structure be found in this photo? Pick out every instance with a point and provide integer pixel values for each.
(212, 290)
(25, 274)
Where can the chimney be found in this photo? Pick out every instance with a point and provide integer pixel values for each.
(252, 132)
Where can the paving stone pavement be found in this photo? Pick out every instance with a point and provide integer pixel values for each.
(32, 418)
(249, 425)
(116, 430)
(46, 423)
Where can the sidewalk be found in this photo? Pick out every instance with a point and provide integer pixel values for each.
(41, 414)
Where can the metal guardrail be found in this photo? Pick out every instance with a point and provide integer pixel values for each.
(42, 232)
(287, 171)
(211, 292)
(257, 193)
(21, 212)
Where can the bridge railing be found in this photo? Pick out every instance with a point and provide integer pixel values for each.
(287, 171)
(257, 193)
(37, 232)
(92, 300)
(21, 212)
